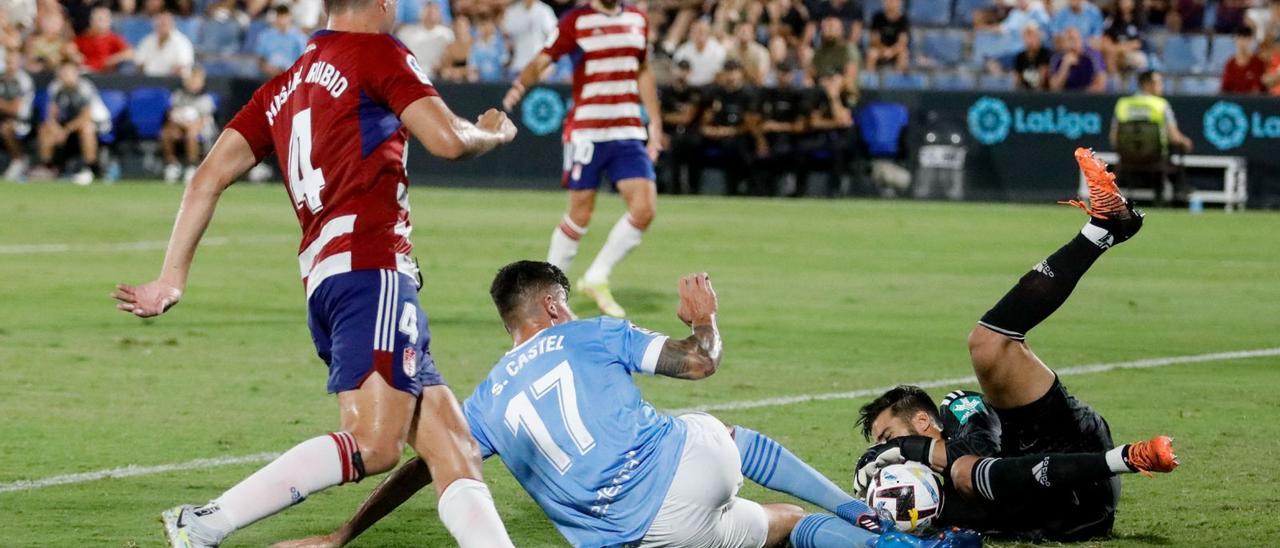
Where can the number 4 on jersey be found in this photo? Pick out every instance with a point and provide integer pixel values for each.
(305, 181)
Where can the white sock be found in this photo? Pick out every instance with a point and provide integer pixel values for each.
(467, 510)
(564, 243)
(622, 239)
(1116, 461)
(1098, 235)
(311, 466)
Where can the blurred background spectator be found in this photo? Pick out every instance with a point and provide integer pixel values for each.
(189, 124)
(102, 49)
(1031, 66)
(166, 51)
(1083, 16)
(830, 108)
(835, 53)
(16, 95)
(1243, 72)
(1076, 67)
(890, 34)
(706, 56)
(455, 61)
(427, 39)
(783, 123)
(749, 53)
(1265, 22)
(528, 24)
(75, 111)
(489, 54)
(681, 105)
(730, 130)
(1123, 47)
(279, 45)
(50, 45)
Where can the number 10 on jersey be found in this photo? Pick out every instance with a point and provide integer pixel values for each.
(521, 414)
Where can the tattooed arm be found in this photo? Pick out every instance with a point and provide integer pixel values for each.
(698, 355)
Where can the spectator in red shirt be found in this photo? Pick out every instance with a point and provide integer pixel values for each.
(103, 50)
(1243, 73)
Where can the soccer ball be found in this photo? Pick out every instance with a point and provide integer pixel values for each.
(908, 493)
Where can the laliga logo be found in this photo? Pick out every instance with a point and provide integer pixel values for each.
(1226, 125)
(542, 111)
(990, 121)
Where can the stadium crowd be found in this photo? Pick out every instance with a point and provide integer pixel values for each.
(759, 80)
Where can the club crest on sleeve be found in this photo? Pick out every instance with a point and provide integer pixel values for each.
(417, 69)
(410, 362)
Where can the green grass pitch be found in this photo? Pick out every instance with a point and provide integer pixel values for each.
(816, 297)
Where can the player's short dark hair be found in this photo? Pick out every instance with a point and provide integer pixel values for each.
(339, 6)
(281, 9)
(1146, 77)
(517, 282)
(1246, 32)
(904, 401)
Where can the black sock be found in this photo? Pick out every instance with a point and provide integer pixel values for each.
(1019, 478)
(1042, 290)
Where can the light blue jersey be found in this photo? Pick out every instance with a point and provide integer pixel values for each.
(568, 421)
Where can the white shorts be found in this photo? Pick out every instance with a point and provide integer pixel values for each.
(702, 509)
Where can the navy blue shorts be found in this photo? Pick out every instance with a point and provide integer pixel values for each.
(586, 162)
(369, 321)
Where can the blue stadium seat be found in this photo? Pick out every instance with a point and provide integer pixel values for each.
(908, 81)
(221, 37)
(147, 110)
(880, 124)
(987, 45)
(965, 10)
(995, 82)
(1221, 49)
(252, 33)
(941, 46)
(132, 28)
(1199, 85)
(935, 13)
(1183, 54)
(218, 66)
(954, 81)
(868, 79)
(115, 101)
(189, 26)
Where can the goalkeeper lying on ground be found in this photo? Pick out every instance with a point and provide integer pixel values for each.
(1024, 439)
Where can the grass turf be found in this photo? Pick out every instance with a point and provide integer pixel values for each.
(817, 296)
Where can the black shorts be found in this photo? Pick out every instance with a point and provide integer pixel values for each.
(1059, 423)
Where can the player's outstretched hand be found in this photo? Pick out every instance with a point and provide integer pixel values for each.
(869, 466)
(698, 302)
(147, 300)
(513, 96)
(496, 121)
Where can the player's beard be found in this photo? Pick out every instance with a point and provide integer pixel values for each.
(609, 4)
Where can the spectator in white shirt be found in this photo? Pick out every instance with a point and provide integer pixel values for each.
(164, 52)
(528, 24)
(428, 39)
(705, 55)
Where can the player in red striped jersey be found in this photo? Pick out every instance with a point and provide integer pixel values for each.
(604, 133)
(338, 121)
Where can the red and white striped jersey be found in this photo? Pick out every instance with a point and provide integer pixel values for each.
(607, 50)
(333, 121)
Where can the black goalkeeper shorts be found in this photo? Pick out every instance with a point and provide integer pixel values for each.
(1059, 423)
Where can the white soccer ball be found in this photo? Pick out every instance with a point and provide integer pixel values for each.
(909, 493)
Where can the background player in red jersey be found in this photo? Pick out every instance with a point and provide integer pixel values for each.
(339, 121)
(605, 133)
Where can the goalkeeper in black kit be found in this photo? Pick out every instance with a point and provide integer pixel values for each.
(1023, 458)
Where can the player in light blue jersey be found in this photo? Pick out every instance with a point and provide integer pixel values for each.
(563, 413)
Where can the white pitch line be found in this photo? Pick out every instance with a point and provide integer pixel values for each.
(135, 471)
(42, 249)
